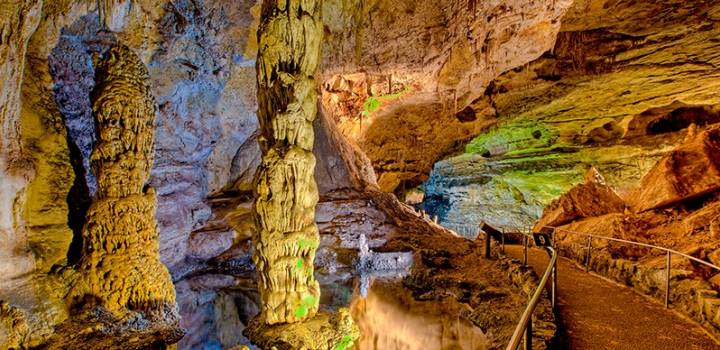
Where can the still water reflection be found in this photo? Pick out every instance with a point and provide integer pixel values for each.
(391, 319)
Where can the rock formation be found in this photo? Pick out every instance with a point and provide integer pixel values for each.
(676, 206)
(409, 82)
(408, 103)
(120, 265)
(18, 20)
(286, 192)
(589, 199)
(606, 95)
(691, 170)
(109, 14)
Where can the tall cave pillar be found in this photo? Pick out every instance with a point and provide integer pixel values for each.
(289, 40)
(120, 266)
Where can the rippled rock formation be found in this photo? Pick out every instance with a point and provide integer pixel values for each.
(119, 284)
(286, 193)
(120, 262)
(616, 92)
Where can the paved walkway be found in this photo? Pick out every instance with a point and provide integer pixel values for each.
(598, 314)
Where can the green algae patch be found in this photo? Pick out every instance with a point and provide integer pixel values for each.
(544, 186)
(307, 303)
(373, 103)
(300, 263)
(345, 343)
(307, 243)
(512, 137)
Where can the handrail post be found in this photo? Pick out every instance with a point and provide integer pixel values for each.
(487, 245)
(525, 250)
(524, 327)
(554, 285)
(589, 248)
(667, 281)
(502, 240)
(528, 334)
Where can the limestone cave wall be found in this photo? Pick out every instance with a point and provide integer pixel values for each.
(616, 92)
(494, 107)
(200, 56)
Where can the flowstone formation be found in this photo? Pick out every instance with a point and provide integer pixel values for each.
(120, 264)
(286, 192)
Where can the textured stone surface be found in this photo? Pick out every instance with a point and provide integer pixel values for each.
(408, 103)
(97, 328)
(322, 331)
(590, 199)
(622, 89)
(120, 262)
(19, 21)
(617, 91)
(286, 193)
(691, 170)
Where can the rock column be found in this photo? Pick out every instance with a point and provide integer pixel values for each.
(289, 39)
(120, 266)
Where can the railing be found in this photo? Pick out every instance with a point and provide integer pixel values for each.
(524, 327)
(523, 330)
(669, 254)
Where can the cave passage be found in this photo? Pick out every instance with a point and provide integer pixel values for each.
(359, 175)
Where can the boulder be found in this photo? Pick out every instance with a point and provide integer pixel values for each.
(590, 199)
(715, 281)
(690, 171)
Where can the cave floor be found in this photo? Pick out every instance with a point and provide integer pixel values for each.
(598, 314)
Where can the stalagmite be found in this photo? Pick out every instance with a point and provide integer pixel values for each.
(286, 193)
(120, 266)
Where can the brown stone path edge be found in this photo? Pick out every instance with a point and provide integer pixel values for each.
(598, 314)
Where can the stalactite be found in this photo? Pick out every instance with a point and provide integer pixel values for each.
(286, 193)
(106, 12)
(120, 265)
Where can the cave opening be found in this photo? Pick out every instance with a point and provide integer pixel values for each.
(681, 118)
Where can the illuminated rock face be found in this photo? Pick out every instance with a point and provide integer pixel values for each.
(589, 199)
(690, 171)
(286, 192)
(120, 262)
(598, 98)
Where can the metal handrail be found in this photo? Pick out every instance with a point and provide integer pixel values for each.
(668, 258)
(525, 324)
(640, 244)
(524, 327)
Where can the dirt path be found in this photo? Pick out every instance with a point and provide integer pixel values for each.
(598, 314)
